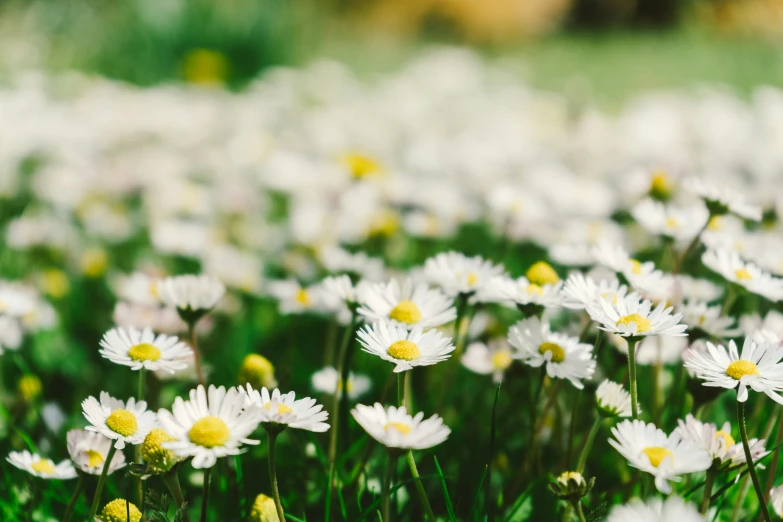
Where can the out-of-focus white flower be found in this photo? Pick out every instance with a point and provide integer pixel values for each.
(492, 358)
(722, 200)
(40, 466)
(327, 380)
(729, 264)
(718, 442)
(656, 510)
(191, 295)
(456, 274)
(680, 224)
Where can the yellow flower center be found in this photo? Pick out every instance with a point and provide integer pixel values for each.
(30, 387)
(402, 428)
(122, 422)
(153, 451)
(558, 354)
(406, 312)
(533, 289)
(404, 349)
(636, 266)
(302, 297)
(257, 370)
(348, 386)
(672, 223)
(656, 454)
(94, 458)
(542, 273)
(642, 323)
(660, 184)
(472, 278)
(739, 369)
(55, 283)
(209, 432)
(263, 510)
(614, 296)
(281, 408)
(501, 359)
(144, 352)
(743, 275)
(384, 224)
(117, 511)
(44, 466)
(728, 440)
(361, 166)
(714, 223)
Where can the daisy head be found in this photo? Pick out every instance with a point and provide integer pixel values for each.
(41, 467)
(665, 457)
(656, 510)
(493, 358)
(327, 380)
(521, 293)
(565, 357)
(395, 428)
(722, 200)
(456, 273)
(123, 422)
(776, 499)
(730, 265)
(294, 298)
(158, 459)
(632, 317)
(278, 411)
(639, 275)
(698, 315)
(405, 348)
(117, 511)
(258, 371)
(89, 450)
(209, 425)
(677, 223)
(263, 510)
(757, 366)
(581, 290)
(409, 305)
(192, 295)
(144, 349)
(719, 443)
(612, 400)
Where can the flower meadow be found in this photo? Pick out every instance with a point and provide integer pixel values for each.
(438, 294)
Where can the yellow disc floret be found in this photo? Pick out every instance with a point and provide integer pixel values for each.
(43, 466)
(264, 510)
(636, 266)
(153, 452)
(122, 422)
(728, 440)
(739, 369)
(257, 371)
(144, 352)
(472, 278)
(501, 359)
(558, 354)
(406, 312)
(405, 350)
(661, 185)
(743, 275)
(94, 458)
(400, 427)
(29, 387)
(209, 432)
(534, 289)
(117, 511)
(303, 298)
(541, 274)
(656, 454)
(642, 323)
(361, 166)
(282, 409)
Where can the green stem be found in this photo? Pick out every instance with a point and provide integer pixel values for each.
(387, 484)
(420, 487)
(632, 342)
(708, 482)
(774, 465)
(273, 475)
(749, 461)
(205, 495)
(462, 307)
(678, 264)
(171, 479)
(137, 449)
(401, 389)
(196, 354)
(579, 512)
(240, 484)
(342, 373)
(77, 492)
(580, 466)
(96, 500)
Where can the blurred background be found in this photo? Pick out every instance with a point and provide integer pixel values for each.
(604, 49)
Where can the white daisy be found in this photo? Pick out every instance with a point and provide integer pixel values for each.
(410, 305)
(88, 451)
(491, 358)
(665, 457)
(520, 293)
(632, 317)
(143, 349)
(565, 357)
(678, 223)
(394, 428)
(640, 275)
(656, 509)
(757, 366)
(700, 315)
(209, 425)
(11, 333)
(455, 273)
(124, 422)
(285, 410)
(294, 298)
(612, 400)
(730, 265)
(722, 200)
(327, 380)
(16, 300)
(776, 499)
(772, 322)
(138, 288)
(192, 295)
(406, 349)
(581, 290)
(41, 467)
(718, 442)
(690, 288)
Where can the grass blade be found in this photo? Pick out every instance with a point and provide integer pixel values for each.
(446, 496)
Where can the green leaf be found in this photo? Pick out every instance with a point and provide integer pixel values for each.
(522, 511)
(374, 506)
(446, 496)
(181, 514)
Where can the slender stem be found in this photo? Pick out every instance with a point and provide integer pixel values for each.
(774, 465)
(387, 476)
(420, 487)
(685, 253)
(171, 479)
(579, 512)
(749, 461)
(632, 342)
(205, 495)
(137, 449)
(656, 391)
(240, 484)
(142, 382)
(342, 373)
(401, 389)
(572, 427)
(708, 482)
(96, 500)
(273, 475)
(580, 466)
(77, 492)
(196, 354)
(462, 306)
(532, 447)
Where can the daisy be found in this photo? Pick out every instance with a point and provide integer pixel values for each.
(457, 274)
(294, 298)
(117, 511)
(143, 349)
(699, 315)
(406, 349)
(656, 510)
(679, 224)
(757, 366)
(722, 200)
(88, 451)
(776, 499)
(124, 422)
(520, 293)
(41, 467)
(284, 410)
(258, 371)
(541, 273)
(581, 290)
(491, 358)
(159, 460)
(612, 400)
(729, 265)
(565, 357)
(263, 510)
(394, 428)
(641, 276)
(691, 288)
(665, 457)
(211, 424)
(718, 442)
(327, 380)
(410, 305)
(192, 295)
(632, 317)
